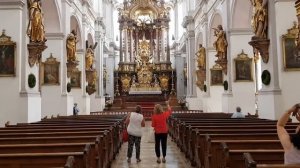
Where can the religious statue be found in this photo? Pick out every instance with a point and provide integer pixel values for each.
(156, 82)
(90, 56)
(164, 82)
(133, 81)
(125, 83)
(144, 75)
(201, 57)
(35, 28)
(71, 46)
(221, 43)
(260, 18)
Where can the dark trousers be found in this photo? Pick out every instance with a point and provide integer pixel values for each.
(161, 138)
(134, 140)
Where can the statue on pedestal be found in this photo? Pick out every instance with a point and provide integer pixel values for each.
(221, 43)
(71, 46)
(259, 20)
(201, 57)
(35, 28)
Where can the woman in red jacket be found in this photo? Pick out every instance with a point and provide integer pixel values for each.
(159, 122)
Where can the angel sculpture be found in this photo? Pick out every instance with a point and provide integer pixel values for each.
(89, 56)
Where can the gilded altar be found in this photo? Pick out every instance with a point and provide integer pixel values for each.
(145, 65)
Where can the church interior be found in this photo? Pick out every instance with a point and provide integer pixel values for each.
(72, 70)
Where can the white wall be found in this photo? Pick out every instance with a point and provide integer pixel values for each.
(285, 16)
(243, 92)
(14, 108)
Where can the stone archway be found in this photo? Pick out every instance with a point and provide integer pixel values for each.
(74, 21)
(52, 17)
(215, 21)
(241, 14)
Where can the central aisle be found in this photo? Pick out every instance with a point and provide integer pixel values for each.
(175, 158)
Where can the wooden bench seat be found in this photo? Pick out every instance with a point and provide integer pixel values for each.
(89, 148)
(235, 158)
(42, 160)
(219, 148)
(250, 163)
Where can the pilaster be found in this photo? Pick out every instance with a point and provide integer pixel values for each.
(269, 97)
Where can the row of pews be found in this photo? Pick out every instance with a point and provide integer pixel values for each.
(82, 141)
(214, 140)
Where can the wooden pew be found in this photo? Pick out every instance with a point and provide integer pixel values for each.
(216, 153)
(220, 148)
(250, 163)
(235, 158)
(89, 148)
(44, 160)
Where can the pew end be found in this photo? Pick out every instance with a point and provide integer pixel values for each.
(70, 162)
(7, 123)
(249, 162)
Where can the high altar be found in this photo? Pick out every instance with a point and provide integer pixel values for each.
(145, 66)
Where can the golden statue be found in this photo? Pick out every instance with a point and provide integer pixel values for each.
(144, 76)
(125, 83)
(164, 82)
(201, 55)
(221, 43)
(90, 56)
(35, 28)
(71, 46)
(259, 20)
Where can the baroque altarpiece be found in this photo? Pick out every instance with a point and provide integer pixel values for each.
(145, 66)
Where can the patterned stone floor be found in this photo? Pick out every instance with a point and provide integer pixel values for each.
(175, 158)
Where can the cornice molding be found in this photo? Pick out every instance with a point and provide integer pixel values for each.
(55, 36)
(12, 4)
(240, 31)
(284, 1)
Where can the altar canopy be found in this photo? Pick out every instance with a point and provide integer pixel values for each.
(144, 51)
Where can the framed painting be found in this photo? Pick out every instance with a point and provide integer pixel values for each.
(7, 56)
(50, 71)
(216, 75)
(243, 68)
(76, 79)
(291, 57)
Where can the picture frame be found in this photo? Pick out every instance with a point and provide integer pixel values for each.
(243, 68)
(75, 79)
(50, 71)
(216, 75)
(291, 57)
(7, 56)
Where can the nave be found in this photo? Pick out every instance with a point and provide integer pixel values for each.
(175, 158)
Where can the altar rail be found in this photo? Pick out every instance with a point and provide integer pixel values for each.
(145, 113)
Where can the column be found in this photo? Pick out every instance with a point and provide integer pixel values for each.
(163, 51)
(227, 96)
(269, 97)
(151, 42)
(131, 45)
(179, 65)
(168, 45)
(110, 74)
(125, 32)
(121, 42)
(136, 42)
(66, 98)
(191, 86)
